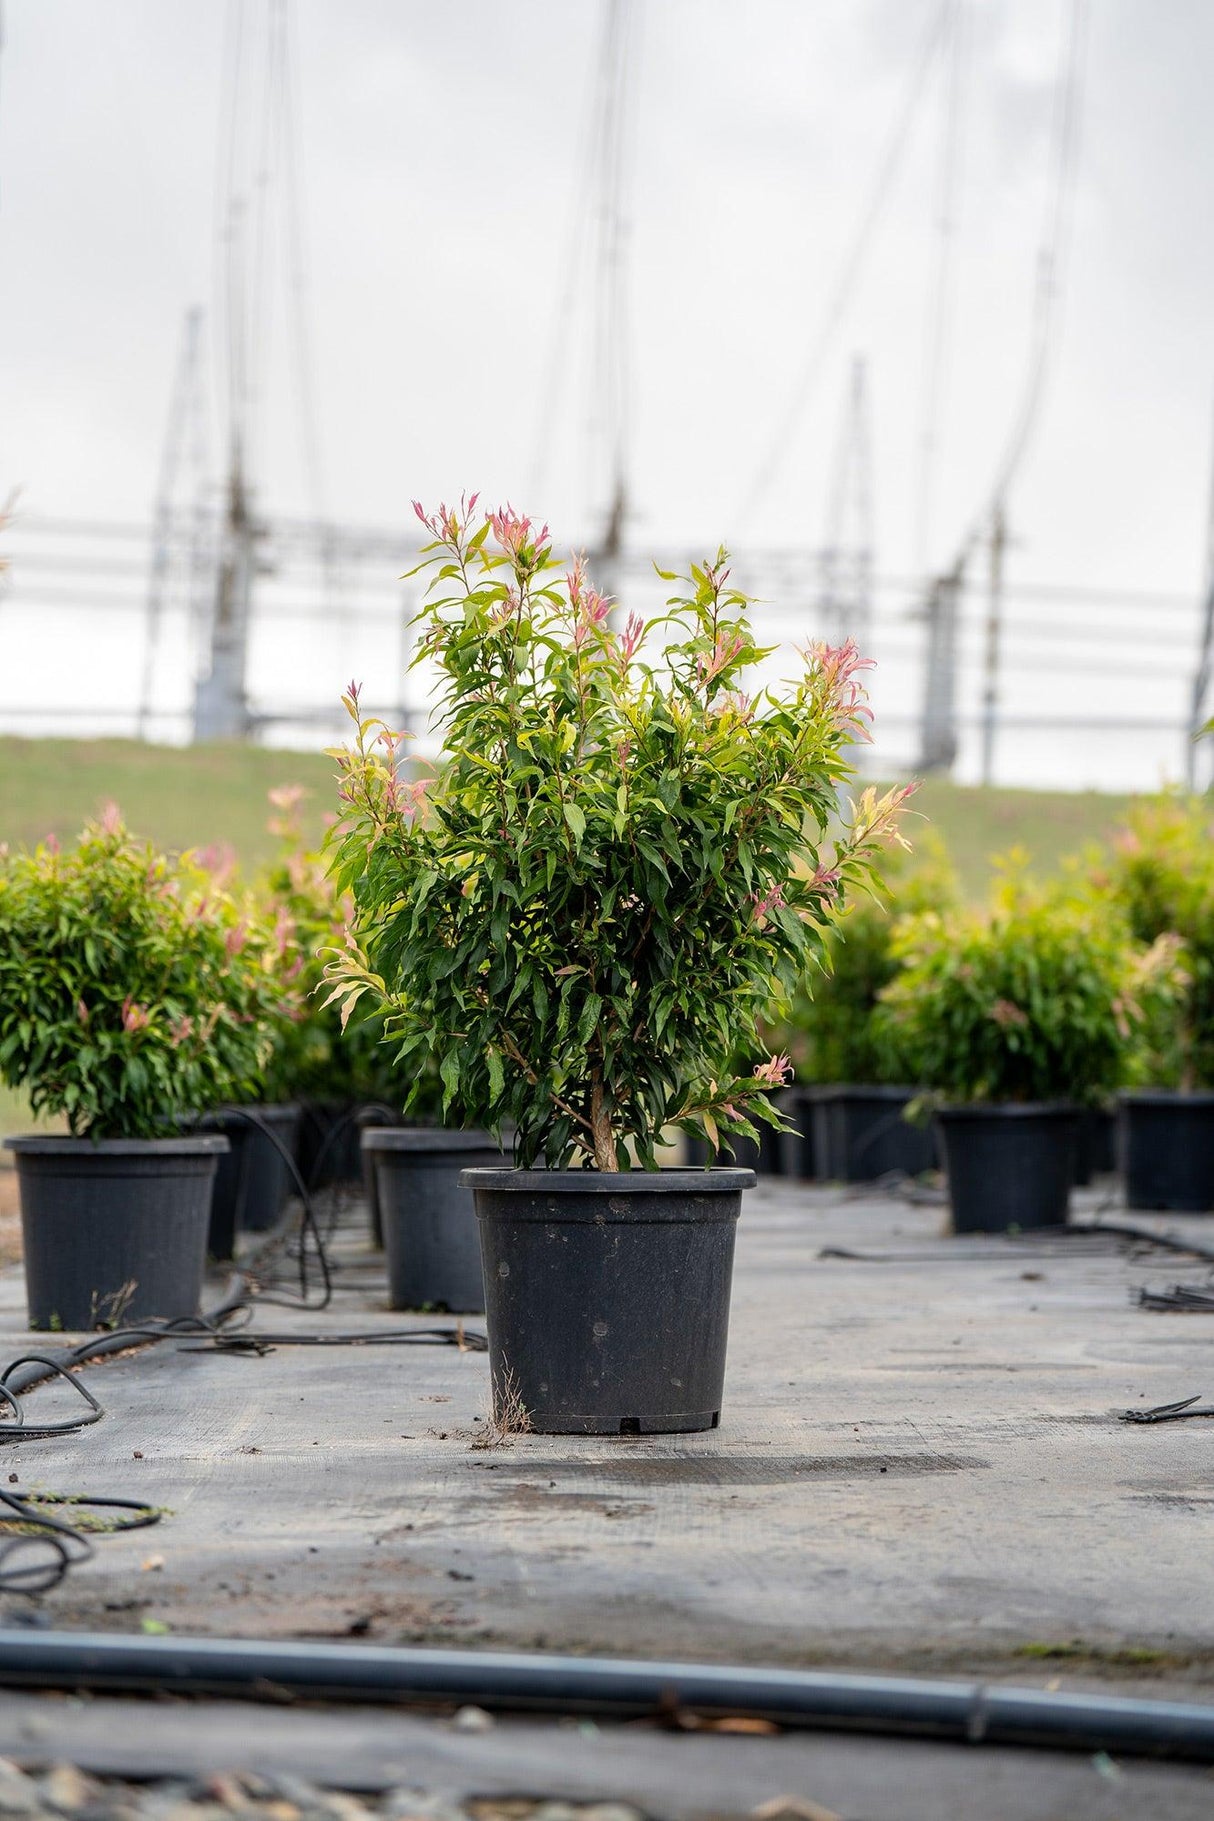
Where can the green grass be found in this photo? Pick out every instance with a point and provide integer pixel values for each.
(976, 825)
(182, 797)
(179, 797)
(194, 796)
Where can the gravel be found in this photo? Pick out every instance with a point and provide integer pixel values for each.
(65, 1791)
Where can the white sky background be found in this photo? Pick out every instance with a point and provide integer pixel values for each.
(439, 157)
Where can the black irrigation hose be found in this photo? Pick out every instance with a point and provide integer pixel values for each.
(964, 1712)
(1179, 1299)
(1165, 1242)
(38, 1557)
(308, 1223)
(339, 1126)
(249, 1340)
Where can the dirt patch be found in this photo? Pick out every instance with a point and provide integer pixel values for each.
(534, 1498)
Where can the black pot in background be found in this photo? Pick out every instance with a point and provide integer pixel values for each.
(764, 1154)
(859, 1133)
(427, 1218)
(1008, 1166)
(114, 1232)
(1168, 1151)
(798, 1158)
(253, 1182)
(368, 1119)
(607, 1295)
(327, 1151)
(1095, 1145)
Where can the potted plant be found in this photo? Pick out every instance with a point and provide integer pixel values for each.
(1161, 875)
(127, 998)
(579, 918)
(253, 1178)
(853, 1090)
(1014, 1020)
(343, 1073)
(337, 1076)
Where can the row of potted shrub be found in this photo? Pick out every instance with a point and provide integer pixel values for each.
(1033, 1017)
(573, 933)
(623, 856)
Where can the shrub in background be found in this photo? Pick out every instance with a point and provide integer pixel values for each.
(1160, 875)
(1045, 999)
(315, 1057)
(132, 991)
(832, 1033)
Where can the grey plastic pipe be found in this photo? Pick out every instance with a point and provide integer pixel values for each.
(967, 1712)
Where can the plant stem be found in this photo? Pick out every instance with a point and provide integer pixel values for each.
(600, 1126)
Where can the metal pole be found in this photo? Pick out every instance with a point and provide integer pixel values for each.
(990, 662)
(1198, 709)
(939, 720)
(221, 709)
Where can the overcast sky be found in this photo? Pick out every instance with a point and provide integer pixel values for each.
(439, 156)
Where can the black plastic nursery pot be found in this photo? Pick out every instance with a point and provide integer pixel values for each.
(114, 1232)
(798, 1156)
(860, 1133)
(1095, 1144)
(327, 1150)
(367, 1119)
(1168, 1151)
(1008, 1165)
(607, 1295)
(427, 1218)
(254, 1180)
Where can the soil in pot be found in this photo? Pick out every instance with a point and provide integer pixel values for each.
(1168, 1151)
(1008, 1166)
(607, 1296)
(114, 1232)
(427, 1217)
(860, 1133)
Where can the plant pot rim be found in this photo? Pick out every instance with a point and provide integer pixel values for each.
(873, 1090)
(678, 1180)
(239, 1109)
(34, 1144)
(1167, 1097)
(424, 1138)
(1009, 1109)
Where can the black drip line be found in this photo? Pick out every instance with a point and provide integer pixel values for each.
(43, 1546)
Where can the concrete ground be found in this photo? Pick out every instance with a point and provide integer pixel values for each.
(920, 1469)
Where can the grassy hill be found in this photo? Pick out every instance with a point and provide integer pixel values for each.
(179, 796)
(195, 795)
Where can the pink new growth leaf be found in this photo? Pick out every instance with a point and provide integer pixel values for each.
(725, 651)
(838, 668)
(515, 534)
(633, 634)
(774, 1072)
(134, 1017)
(767, 902)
